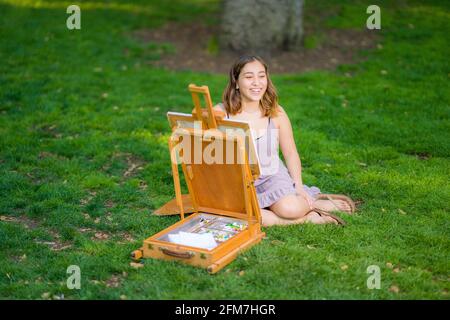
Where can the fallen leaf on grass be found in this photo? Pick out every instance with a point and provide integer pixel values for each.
(84, 202)
(130, 170)
(394, 289)
(44, 154)
(389, 265)
(136, 265)
(48, 243)
(344, 267)
(45, 295)
(276, 242)
(133, 163)
(127, 237)
(54, 246)
(401, 211)
(143, 185)
(57, 248)
(100, 236)
(54, 234)
(109, 204)
(113, 282)
(241, 273)
(8, 219)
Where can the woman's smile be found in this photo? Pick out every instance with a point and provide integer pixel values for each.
(255, 91)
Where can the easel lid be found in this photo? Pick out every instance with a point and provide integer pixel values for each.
(225, 187)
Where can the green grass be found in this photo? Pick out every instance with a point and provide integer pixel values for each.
(79, 109)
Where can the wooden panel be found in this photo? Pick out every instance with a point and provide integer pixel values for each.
(187, 121)
(215, 185)
(171, 207)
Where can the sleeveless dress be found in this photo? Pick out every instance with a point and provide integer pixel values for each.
(274, 182)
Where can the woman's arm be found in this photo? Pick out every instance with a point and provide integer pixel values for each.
(289, 149)
(291, 156)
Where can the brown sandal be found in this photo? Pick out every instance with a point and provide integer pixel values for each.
(323, 213)
(331, 197)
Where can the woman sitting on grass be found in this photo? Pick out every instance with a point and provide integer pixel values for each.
(251, 96)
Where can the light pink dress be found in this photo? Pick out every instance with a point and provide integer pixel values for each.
(274, 181)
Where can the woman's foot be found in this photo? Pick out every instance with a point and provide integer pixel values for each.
(314, 217)
(335, 205)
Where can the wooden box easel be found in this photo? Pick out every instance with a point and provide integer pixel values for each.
(222, 195)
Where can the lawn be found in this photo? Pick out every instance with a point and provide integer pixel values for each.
(84, 158)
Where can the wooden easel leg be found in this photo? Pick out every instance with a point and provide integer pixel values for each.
(176, 177)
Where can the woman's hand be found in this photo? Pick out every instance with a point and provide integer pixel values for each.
(305, 195)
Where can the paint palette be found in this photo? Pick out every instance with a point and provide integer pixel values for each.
(222, 228)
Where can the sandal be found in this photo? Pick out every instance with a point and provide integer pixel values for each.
(331, 197)
(323, 213)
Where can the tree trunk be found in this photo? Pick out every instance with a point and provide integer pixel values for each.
(261, 26)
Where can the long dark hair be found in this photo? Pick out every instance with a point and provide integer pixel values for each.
(232, 98)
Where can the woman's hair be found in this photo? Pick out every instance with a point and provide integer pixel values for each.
(232, 98)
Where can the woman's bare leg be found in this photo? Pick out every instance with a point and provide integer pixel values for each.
(271, 219)
(291, 209)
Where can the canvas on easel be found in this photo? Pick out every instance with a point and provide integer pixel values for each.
(226, 218)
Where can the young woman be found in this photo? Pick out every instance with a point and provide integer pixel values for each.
(251, 96)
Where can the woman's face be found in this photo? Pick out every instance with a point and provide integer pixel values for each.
(252, 81)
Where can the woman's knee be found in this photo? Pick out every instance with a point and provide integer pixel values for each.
(290, 208)
(291, 213)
